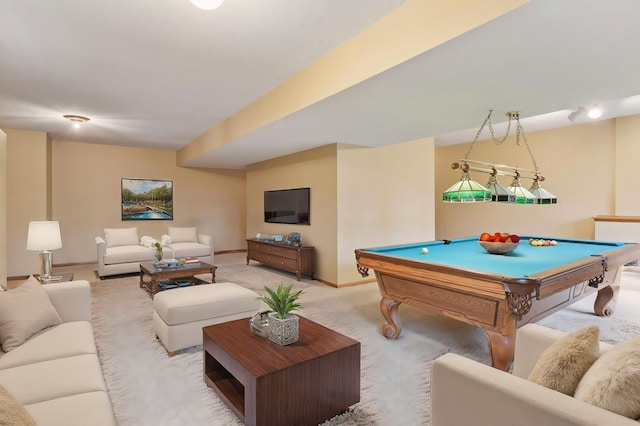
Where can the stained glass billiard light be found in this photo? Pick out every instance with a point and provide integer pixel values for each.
(468, 190)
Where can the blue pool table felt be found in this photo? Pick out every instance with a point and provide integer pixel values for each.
(525, 261)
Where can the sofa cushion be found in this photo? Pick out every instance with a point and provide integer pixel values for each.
(63, 340)
(183, 234)
(562, 365)
(181, 250)
(24, 311)
(12, 412)
(116, 237)
(128, 254)
(89, 408)
(64, 377)
(613, 381)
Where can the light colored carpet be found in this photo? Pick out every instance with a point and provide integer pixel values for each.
(148, 388)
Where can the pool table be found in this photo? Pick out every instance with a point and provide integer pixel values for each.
(459, 279)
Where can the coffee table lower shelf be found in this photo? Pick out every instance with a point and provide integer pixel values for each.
(305, 383)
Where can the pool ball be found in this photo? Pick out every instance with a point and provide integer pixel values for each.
(424, 250)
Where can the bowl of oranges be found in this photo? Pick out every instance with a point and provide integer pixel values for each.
(499, 242)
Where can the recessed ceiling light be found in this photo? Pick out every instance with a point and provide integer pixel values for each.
(76, 119)
(207, 4)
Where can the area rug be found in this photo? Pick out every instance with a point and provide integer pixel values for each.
(149, 388)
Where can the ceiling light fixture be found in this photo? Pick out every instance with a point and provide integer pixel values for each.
(468, 190)
(76, 119)
(581, 114)
(207, 4)
(595, 112)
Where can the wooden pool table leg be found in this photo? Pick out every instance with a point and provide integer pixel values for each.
(389, 309)
(607, 296)
(501, 348)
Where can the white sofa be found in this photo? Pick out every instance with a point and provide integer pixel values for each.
(55, 374)
(121, 251)
(465, 392)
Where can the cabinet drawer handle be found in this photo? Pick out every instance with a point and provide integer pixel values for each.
(282, 262)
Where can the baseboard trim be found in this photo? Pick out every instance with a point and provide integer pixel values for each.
(349, 284)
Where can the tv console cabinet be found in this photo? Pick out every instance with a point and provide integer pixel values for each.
(298, 260)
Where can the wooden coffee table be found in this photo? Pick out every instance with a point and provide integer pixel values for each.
(186, 271)
(304, 383)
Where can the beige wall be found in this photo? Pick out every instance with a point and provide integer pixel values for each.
(315, 169)
(3, 209)
(356, 200)
(27, 196)
(85, 184)
(627, 170)
(578, 162)
(385, 196)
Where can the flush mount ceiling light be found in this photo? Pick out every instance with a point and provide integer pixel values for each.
(207, 4)
(468, 190)
(76, 119)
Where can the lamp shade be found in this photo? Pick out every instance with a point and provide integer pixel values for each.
(207, 4)
(500, 193)
(466, 190)
(542, 195)
(523, 196)
(44, 235)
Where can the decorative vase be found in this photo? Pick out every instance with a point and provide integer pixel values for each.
(158, 255)
(283, 331)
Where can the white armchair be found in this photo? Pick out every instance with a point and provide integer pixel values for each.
(465, 392)
(186, 242)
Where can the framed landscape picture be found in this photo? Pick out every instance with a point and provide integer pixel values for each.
(147, 199)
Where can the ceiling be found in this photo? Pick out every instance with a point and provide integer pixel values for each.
(160, 74)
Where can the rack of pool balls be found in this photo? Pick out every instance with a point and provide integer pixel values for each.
(539, 243)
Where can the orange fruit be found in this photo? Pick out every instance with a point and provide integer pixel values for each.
(485, 236)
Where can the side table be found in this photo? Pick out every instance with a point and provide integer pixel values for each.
(58, 278)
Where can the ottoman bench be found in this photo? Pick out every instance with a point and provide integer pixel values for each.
(179, 314)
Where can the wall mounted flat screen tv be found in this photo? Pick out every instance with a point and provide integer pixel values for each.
(287, 206)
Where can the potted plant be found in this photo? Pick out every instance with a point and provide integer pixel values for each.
(283, 324)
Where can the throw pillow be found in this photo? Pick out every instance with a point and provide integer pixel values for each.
(183, 235)
(562, 365)
(121, 237)
(12, 412)
(613, 381)
(24, 311)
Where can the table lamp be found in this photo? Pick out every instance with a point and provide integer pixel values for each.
(44, 236)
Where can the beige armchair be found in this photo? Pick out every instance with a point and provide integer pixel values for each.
(465, 392)
(186, 242)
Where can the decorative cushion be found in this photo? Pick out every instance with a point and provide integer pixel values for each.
(24, 311)
(613, 381)
(562, 365)
(183, 235)
(12, 412)
(121, 237)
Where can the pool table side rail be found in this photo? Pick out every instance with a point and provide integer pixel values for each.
(437, 274)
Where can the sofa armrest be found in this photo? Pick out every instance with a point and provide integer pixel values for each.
(207, 240)
(466, 392)
(71, 299)
(532, 339)
(101, 246)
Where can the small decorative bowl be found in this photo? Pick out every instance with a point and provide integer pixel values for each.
(498, 248)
